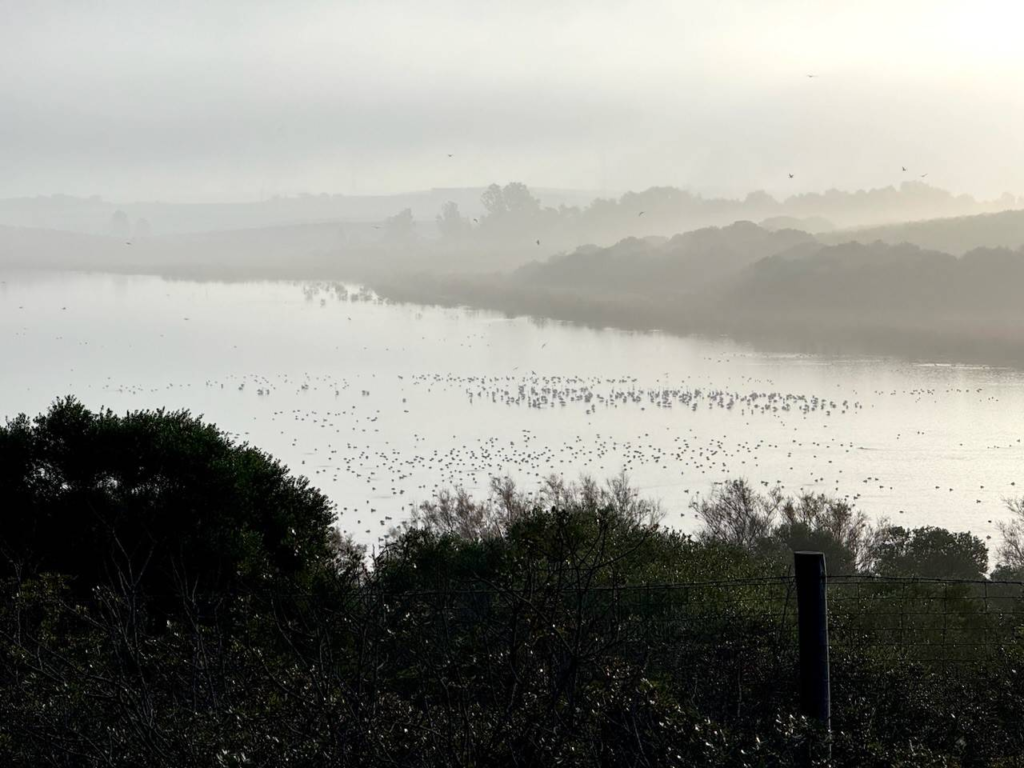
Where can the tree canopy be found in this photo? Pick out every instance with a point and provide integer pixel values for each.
(931, 552)
(158, 497)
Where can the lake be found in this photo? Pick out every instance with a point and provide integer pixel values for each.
(380, 405)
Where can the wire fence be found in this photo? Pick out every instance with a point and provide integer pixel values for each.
(940, 623)
(557, 643)
(936, 622)
(730, 647)
(929, 621)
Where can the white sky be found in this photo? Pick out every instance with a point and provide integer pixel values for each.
(240, 99)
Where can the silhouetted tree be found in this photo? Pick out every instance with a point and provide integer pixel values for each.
(518, 199)
(158, 497)
(451, 224)
(930, 552)
(493, 200)
(119, 225)
(511, 202)
(773, 526)
(1011, 549)
(833, 526)
(736, 514)
(400, 228)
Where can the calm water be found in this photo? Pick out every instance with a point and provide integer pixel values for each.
(379, 405)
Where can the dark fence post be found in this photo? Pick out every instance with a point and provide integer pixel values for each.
(812, 626)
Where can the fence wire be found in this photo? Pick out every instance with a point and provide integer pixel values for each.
(934, 622)
(929, 621)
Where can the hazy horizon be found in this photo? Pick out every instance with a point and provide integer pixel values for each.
(224, 101)
(540, 191)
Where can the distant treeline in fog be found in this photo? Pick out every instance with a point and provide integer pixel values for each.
(443, 230)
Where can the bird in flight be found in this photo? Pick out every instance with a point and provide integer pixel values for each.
(538, 242)
(450, 155)
(923, 175)
(641, 213)
(904, 168)
(812, 75)
(791, 175)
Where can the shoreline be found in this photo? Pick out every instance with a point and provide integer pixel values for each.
(774, 334)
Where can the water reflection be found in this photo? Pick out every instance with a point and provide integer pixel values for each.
(381, 404)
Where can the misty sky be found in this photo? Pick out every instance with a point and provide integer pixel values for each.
(241, 99)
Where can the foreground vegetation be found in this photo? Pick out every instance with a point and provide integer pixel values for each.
(170, 598)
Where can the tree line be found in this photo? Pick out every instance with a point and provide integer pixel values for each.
(512, 214)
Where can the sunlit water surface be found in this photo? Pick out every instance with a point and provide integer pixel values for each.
(381, 404)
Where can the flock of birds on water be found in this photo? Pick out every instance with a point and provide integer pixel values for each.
(380, 443)
(347, 443)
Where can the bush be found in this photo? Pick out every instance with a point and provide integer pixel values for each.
(154, 498)
(930, 552)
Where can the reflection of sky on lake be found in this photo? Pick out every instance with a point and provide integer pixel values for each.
(452, 397)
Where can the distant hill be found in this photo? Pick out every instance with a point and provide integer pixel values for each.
(786, 287)
(867, 279)
(958, 234)
(811, 224)
(684, 262)
(878, 297)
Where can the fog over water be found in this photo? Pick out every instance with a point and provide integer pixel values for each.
(381, 404)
